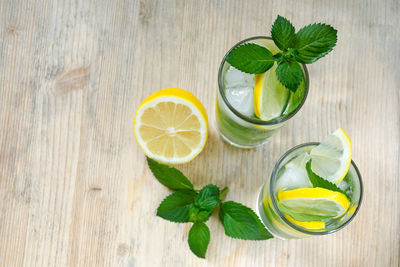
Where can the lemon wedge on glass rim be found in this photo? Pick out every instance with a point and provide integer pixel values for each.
(171, 126)
(331, 159)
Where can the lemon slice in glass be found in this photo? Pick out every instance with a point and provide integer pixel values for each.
(171, 126)
(332, 157)
(270, 96)
(313, 225)
(314, 201)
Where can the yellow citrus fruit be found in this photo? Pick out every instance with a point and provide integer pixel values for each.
(171, 126)
(313, 225)
(270, 96)
(314, 201)
(332, 157)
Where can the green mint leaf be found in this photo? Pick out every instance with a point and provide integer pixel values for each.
(283, 33)
(241, 222)
(318, 181)
(169, 176)
(289, 74)
(176, 207)
(208, 198)
(314, 41)
(251, 58)
(199, 238)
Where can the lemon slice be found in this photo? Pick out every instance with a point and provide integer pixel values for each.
(171, 126)
(270, 96)
(314, 201)
(313, 225)
(332, 157)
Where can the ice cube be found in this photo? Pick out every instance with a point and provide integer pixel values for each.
(343, 185)
(239, 90)
(241, 99)
(293, 178)
(234, 78)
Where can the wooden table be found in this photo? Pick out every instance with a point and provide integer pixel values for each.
(74, 187)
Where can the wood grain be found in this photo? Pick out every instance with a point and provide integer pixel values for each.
(74, 186)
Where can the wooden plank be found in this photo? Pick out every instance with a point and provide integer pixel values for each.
(74, 186)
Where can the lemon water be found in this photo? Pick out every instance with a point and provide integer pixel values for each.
(290, 173)
(235, 111)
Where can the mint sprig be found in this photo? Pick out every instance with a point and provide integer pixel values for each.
(309, 44)
(318, 181)
(190, 205)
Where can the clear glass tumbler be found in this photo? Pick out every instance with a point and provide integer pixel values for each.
(246, 130)
(278, 223)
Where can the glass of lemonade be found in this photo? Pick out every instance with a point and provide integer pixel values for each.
(236, 120)
(289, 172)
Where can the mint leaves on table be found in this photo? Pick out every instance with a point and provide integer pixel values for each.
(306, 46)
(189, 205)
(318, 181)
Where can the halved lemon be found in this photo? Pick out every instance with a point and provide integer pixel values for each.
(270, 96)
(332, 157)
(314, 201)
(171, 126)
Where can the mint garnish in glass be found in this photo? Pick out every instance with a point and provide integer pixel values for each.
(306, 46)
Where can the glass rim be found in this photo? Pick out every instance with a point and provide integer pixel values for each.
(252, 120)
(299, 228)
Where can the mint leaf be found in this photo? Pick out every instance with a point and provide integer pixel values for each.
(241, 222)
(251, 58)
(283, 33)
(314, 41)
(289, 74)
(169, 176)
(208, 198)
(199, 237)
(318, 181)
(176, 206)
